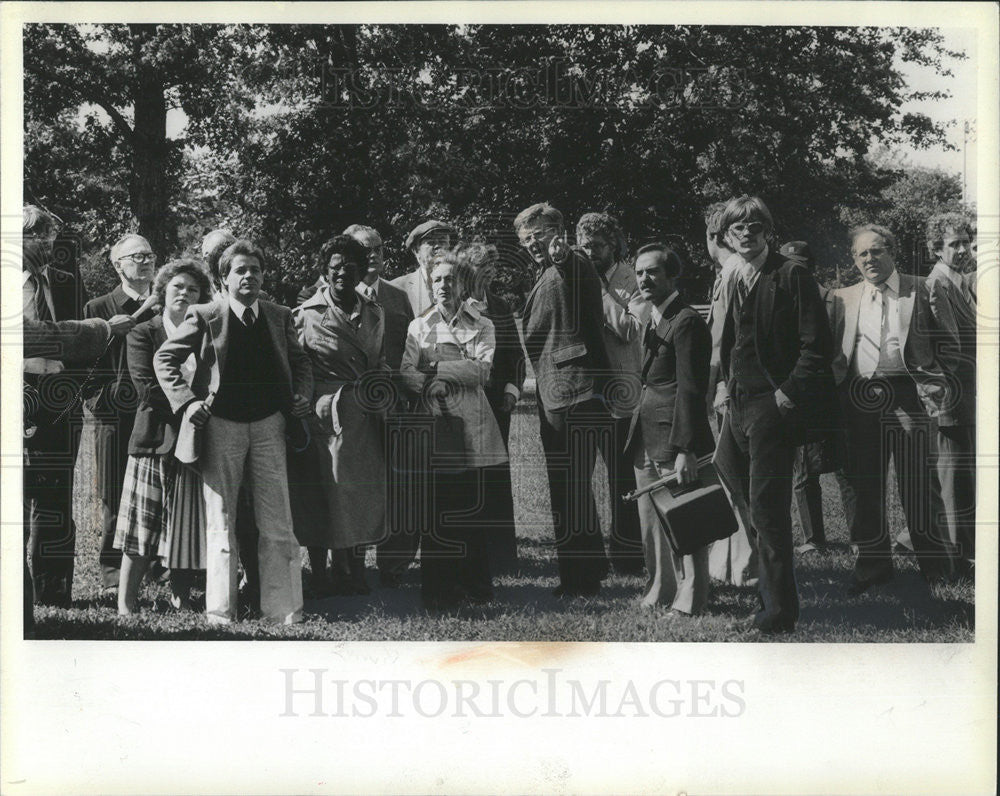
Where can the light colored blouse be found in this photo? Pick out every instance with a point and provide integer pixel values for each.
(459, 353)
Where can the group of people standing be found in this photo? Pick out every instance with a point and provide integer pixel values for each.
(233, 431)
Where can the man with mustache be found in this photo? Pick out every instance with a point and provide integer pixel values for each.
(602, 240)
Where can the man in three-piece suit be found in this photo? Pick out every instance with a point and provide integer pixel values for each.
(669, 429)
(949, 240)
(110, 397)
(775, 353)
(563, 322)
(426, 241)
(732, 560)
(602, 240)
(252, 377)
(892, 360)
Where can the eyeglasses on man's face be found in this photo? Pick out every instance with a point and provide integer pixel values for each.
(542, 235)
(751, 228)
(139, 257)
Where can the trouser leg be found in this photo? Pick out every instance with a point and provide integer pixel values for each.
(277, 549)
(956, 466)
(625, 548)
(570, 439)
(226, 446)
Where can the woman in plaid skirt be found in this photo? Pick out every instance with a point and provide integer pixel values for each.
(160, 512)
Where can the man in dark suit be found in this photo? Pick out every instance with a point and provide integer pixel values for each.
(949, 241)
(251, 377)
(52, 419)
(563, 323)
(110, 397)
(395, 305)
(893, 360)
(775, 353)
(669, 429)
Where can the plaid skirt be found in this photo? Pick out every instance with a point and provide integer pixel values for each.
(162, 512)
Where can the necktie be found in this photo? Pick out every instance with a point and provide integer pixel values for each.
(370, 292)
(41, 303)
(248, 317)
(742, 291)
(871, 323)
(649, 339)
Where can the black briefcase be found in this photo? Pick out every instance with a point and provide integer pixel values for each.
(698, 514)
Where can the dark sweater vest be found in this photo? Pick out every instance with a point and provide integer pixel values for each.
(251, 385)
(746, 366)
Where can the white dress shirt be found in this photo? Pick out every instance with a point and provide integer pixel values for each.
(238, 308)
(877, 350)
(133, 295)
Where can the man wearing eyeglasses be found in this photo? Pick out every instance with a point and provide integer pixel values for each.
(897, 340)
(775, 353)
(110, 397)
(563, 325)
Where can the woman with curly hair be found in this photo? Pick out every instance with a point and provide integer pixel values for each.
(160, 512)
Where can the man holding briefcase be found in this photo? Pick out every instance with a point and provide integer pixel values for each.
(670, 428)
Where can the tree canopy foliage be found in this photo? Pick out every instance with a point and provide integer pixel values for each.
(295, 131)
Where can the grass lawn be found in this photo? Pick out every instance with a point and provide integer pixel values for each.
(524, 610)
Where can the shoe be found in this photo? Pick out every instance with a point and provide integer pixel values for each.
(389, 580)
(772, 625)
(858, 586)
(157, 573)
(441, 602)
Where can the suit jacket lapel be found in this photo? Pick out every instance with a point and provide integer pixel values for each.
(218, 327)
(538, 283)
(277, 331)
(118, 300)
(907, 295)
(661, 331)
(764, 301)
(852, 309)
(159, 332)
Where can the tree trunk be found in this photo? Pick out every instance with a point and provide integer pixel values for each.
(149, 191)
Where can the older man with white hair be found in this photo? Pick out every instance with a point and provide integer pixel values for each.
(110, 396)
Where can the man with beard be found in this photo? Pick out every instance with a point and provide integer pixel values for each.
(601, 238)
